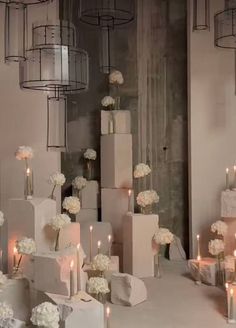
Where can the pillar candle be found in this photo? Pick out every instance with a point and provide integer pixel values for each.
(78, 269)
(99, 246)
(198, 246)
(129, 200)
(227, 179)
(90, 243)
(231, 305)
(199, 270)
(110, 243)
(72, 279)
(108, 312)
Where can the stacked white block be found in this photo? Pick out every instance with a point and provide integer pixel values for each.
(228, 213)
(69, 235)
(87, 215)
(119, 121)
(138, 255)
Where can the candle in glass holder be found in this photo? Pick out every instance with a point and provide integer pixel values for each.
(227, 179)
(78, 269)
(28, 184)
(129, 200)
(99, 246)
(108, 313)
(231, 304)
(72, 279)
(90, 243)
(198, 246)
(110, 243)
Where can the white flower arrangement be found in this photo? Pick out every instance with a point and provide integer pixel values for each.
(97, 285)
(147, 197)
(24, 153)
(216, 247)
(57, 179)
(79, 183)
(101, 262)
(26, 246)
(71, 204)
(45, 315)
(116, 77)
(3, 279)
(59, 221)
(163, 236)
(6, 311)
(220, 228)
(90, 154)
(1, 218)
(141, 170)
(108, 101)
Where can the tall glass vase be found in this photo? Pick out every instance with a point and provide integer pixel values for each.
(111, 123)
(117, 98)
(28, 183)
(157, 259)
(146, 209)
(89, 170)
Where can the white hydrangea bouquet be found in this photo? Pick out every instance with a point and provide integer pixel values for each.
(71, 204)
(90, 156)
(56, 179)
(141, 170)
(25, 246)
(98, 287)
(45, 315)
(116, 79)
(79, 183)
(100, 263)
(6, 315)
(57, 223)
(146, 199)
(108, 102)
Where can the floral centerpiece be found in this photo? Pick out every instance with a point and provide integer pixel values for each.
(98, 287)
(6, 314)
(108, 102)
(219, 227)
(141, 170)
(146, 199)
(116, 78)
(71, 204)
(90, 156)
(79, 183)
(100, 263)
(25, 246)
(56, 179)
(45, 315)
(57, 223)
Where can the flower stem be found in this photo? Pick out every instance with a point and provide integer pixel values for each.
(52, 193)
(18, 265)
(57, 241)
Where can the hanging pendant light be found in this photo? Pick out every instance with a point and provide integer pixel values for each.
(201, 15)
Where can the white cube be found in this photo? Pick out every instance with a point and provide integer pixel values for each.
(69, 235)
(115, 205)
(113, 268)
(89, 215)
(116, 161)
(89, 195)
(228, 204)
(138, 252)
(121, 121)
(78, 312)
(30, 218)
(205, 270)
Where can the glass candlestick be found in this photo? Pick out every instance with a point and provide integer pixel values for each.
(28, 184)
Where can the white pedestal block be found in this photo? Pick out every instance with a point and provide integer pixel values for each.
(89, 215)
(115, 205)
(121, 121)
(208, 270)
(116, 161)
(113, 268)
(89, 195)
(16, 293)
(79, 313)
(228, 204)
(30, 219)
(137, 242)
(69, 235)
(101, 231)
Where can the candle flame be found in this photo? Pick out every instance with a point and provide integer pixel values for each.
(234, 168)
(15, 250)
(235, 253)
(129, 192)
(198, 237)
(78, 246)
(91, 228)
(231, 292)
(72, 264)
(226, 285)
(227, 170)
(28, 170)
(108, 311)
(199, 258)
(109, 238)
(99, 243)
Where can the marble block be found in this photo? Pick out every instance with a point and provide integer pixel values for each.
(113, 268)
(78, 312)
(89, 195)
(138, 253)
(208, 270)
(12, 323)
(87, 215)
(176, 251)
(127, 290)
(121, 121)
(115, 205)
(30, 218)
(101, 231)
(69, 235)
(116, 161)
(16, 292)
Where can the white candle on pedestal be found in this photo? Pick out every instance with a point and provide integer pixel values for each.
(198, 246)
(108, 313)
(78, 269)
(72, 279)
(90, 243)
(129, 200)
(99, 246)
(110, 243)
(198, 270)
(227, 179)
(226, 289)
(231, 305)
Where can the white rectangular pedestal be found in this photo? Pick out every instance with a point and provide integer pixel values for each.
(230, 243)
(207, 270)
(69, 235)
(89, 195)
(89, 215)
(138, 253)
(228, 204)
(121, 121)
(116, 161)
(115, 204)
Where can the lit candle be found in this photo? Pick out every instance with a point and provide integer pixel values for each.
(198, 282)
(227, 179)
(231, 305)
(99, 246)
(1, 260)
(234, 185)
(78, 269)
(90, 243)
(198, 246)
(129, 200)
(14, 256)
(110, 243)
(108, 313)
(29, 184)
(226, 289)
(72, 279)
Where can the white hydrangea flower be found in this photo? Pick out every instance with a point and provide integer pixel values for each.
(116, 77)
(219, 227)
(108, 101)
(24, 152)
(45, 315)
(100, 262)
(97, 285)
(57, 179)
(163, 236)
(71, 204)
(216, 247)
(3, 279)
(90, 154)
(6, 311)
(26, 246)
(59, 221)
(79, 182)
(1, 218)
(141, 170)
(147, 197)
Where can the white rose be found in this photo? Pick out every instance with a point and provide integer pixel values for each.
(79, 183)
(3, 279)
(45, 315)
(57, 179)
(1, 218)
(147, 197)
(59, 221)
(24, 152)
(216, 247)
(163, 236)
(141, 170)
(116, 77)
(108, 101)
(97, 285)
(26, 246)
(90, 154)
(6, 311)
(219, 227)
(100, 262)
(71, 204)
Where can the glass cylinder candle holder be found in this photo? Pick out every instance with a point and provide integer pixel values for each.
(28, 184)
(89, 170)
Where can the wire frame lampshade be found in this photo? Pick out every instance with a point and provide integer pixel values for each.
(201, 15)
(225, 29)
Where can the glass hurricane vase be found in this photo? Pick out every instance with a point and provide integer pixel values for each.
(89, 170)
(157, 260)
(146, 209)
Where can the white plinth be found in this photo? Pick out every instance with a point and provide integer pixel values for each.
(79, 313)
(113, 268)
(114, 208)
(116, 161)
(89, 195)
(16, 293)
(121, 121)
(89, 215)
(30, 219)
(69, 235)
(208, 270)
(138, 253)
(101, 231)
(228, 204)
